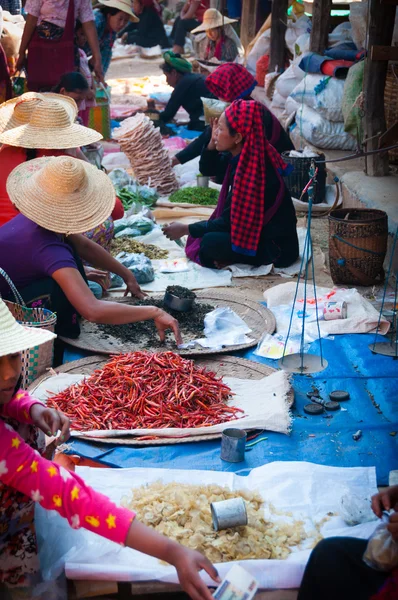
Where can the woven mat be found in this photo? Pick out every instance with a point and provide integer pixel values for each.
(230, 366)
(256, 316)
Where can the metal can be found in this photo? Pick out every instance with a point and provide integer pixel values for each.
(332, 311)
(233, 443)
(228, 513)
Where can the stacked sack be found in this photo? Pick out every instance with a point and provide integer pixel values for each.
(317, 101)
(290, 78)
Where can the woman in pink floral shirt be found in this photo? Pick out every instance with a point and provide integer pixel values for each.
(26, 477)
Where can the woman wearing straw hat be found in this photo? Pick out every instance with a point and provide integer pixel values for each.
(111, 17)
(221, 40)
(26, 478)
(41, 249)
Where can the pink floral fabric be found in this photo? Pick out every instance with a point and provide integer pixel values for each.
(55, 11)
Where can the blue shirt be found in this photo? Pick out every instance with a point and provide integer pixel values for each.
(106, 39)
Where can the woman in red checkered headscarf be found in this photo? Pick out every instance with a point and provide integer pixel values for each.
(230, 82)
(255, 221)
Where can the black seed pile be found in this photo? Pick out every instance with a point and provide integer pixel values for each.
(144, 333)
(180, 292)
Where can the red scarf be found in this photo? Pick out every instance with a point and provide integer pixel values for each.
(218, 50)
(248, 216)
(230, 82)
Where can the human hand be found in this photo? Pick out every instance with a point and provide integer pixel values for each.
(175, 161)
(385, 500)
(99, 73)
(50, 421)
(20, 62)
(133, 288)
(187, 564)
(98, 276)
(175, 231)
(213, 125)
(163, 321)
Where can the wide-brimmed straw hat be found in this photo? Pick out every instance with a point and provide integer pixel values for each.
(17, 111)
(62, 194)
(123, 5)
(49, 127)
(212, 19)
(17, 338)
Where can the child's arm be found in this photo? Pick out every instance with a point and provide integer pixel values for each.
(30, 26)
(55, 488)
(19, 407)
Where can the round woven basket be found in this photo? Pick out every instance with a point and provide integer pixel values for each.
(357, 245)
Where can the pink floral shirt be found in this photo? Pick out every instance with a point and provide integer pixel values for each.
(55, 11)
(53, 486)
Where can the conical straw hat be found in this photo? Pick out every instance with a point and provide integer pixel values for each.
(212, 19)
(49, 127)
(123, 5)
(17, 111)
(62, 194)
(17, 338)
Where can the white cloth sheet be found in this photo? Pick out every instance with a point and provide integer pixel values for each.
(307, 490)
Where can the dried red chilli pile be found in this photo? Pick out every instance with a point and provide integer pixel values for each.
(140, 390)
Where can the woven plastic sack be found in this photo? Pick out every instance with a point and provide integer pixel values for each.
(38, 359)
(352, 89)
(323, 94)
(322, 133)
(261, 47)
(289, 80)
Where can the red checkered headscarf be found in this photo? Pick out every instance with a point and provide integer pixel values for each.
(248, 214)
(230, 82)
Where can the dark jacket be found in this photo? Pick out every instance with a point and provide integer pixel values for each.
(195, 148)
(149, 32)
(278, 237)
(188, 93)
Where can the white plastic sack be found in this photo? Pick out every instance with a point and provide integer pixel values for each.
(261, 47)
(278, 101)
(295, 29)
(340, 34)
(323, 133)
(321, 93)
(289, 80)
(302, 45)
(291, 106)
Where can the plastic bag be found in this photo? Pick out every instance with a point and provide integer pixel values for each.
(323, 133)
(355, 510)
(296, 29)
(273, 346)
(289, 80)
(133, 225)
(140, 266)
(120, 178)
(223, 327)
(213, 109)
(382, 550)
(261, 47)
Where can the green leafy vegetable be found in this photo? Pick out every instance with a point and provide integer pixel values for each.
(195, 195)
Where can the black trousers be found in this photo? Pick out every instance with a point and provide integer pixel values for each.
(180, 29)
(217, 247)
(336, 571)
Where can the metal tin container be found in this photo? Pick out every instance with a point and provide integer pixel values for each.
(228, 513)
(180, 304)
(203, 181)
(233, 443)
(332, 311)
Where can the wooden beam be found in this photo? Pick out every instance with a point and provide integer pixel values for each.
(394, 2)
(381, 25)
(320, 25)
(384, 53)
(278, 31)
(248, 21)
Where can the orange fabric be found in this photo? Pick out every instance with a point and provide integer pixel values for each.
(11, 157)
(262, 66)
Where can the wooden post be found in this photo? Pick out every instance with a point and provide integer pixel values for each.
(381, 26)
(278, 31)
(320, 25)
(248, 21)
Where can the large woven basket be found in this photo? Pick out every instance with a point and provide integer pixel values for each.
(36, 360)
(357, 245)
(391, 104)
(299, 177)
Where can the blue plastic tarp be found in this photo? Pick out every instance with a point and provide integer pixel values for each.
(371, 380)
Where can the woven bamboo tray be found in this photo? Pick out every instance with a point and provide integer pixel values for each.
(256, 316)
(230, 366)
